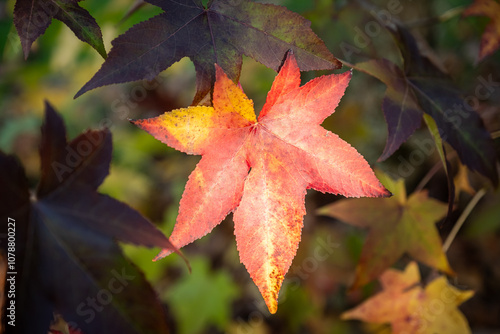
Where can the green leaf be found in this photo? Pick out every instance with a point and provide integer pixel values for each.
(202, 298)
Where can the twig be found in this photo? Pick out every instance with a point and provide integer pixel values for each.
(429, 176)
(462, 218)
(449, 14)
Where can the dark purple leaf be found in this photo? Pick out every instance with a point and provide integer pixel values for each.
(220, 34)
(420, 88)
(67, 257)
(32, 18)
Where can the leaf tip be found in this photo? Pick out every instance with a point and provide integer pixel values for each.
(346, 315)
(219, 73)
(80, 92)
(88, 86)
(446, 268)
(163, 253)
(323, 211)
(290, 59)
(102, 51)
(272, 306)
(167, 251)
(25, 44)
(140, 123)
(386, 193)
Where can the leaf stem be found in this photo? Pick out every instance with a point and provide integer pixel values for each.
(429, 176)
(449, 14)
(462, 218)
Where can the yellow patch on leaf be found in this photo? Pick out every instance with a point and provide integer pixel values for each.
(411, 309)
(260, 169)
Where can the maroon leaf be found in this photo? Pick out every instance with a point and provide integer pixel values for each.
(421, 87)
(402, 112)
(67, 258)
(33, 17)
(220, 33)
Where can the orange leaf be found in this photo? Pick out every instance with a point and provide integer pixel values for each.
(491, 36)
(260, 169)
(410, 309)
(397, 225)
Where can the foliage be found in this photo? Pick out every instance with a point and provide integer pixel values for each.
(218, 33)
(422, 87)
(397, 225)
(437, 61)
(490, 41)
(33, 17)
(287, 153)
(203, 298)
(66, 239)
(410, 308)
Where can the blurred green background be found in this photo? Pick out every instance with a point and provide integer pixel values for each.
(219, 296)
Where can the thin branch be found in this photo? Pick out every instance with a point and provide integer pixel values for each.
(429, 176)
(462, 218)
(449, 14)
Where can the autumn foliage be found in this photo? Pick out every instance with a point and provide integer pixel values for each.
(71, 263)
(286, 152)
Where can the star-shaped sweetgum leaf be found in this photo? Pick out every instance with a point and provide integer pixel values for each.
(67, 260)
(397, 225)
(260, 169)
(219, 33)
(420, 87)
(411, 309)
(490, 41)
(33, 17)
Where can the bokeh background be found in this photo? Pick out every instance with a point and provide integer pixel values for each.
(219, 296)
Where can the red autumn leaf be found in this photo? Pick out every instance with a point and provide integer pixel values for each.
(490, 41)
(286, 151)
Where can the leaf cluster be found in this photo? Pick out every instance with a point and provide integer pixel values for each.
(256, 166)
